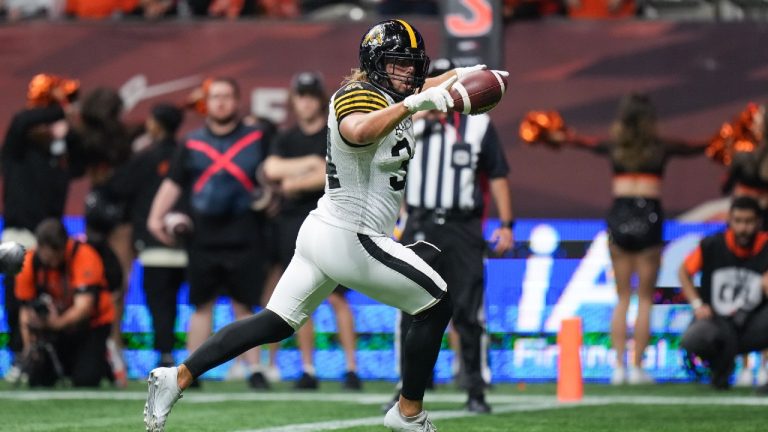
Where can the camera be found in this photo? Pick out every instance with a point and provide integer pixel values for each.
(40, 305)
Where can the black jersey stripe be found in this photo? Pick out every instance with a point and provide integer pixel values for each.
(400, 266)
(359, 103)
(360, 99)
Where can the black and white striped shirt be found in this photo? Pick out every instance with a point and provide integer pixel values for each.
(453, 161)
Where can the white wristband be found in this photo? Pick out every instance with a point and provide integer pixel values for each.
(696, 303)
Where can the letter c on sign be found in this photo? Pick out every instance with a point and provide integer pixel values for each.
(479, 23)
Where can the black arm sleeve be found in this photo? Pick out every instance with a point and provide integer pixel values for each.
(178, 170)
(278, 147)
(683, 148)
(269, 136)
(76, 154)
(128, 178)
(88, 289)
(22, 122)
(600, 147)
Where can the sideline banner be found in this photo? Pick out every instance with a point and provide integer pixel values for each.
(559, 269)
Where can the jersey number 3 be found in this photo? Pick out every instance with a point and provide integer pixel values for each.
(398, 181)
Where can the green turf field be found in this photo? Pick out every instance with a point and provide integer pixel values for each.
(533, 408)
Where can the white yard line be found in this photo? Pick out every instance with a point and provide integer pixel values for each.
(378, 420)
(377, 398)
(501, 404)
(524, 404)
(101, 423)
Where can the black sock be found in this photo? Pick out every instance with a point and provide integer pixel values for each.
(422, 345)
(236, 338)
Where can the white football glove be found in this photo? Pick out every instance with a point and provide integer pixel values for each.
(463, 71)
(433, 98)
(11, 257)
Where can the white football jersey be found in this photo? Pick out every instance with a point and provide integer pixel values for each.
(365, 183)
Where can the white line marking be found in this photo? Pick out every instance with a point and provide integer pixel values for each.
(501, 403)
(93, 423)
(377, 398)
(372, 421)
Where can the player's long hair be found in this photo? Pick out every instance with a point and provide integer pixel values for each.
(634, 133)
(105, 137)
(355, 75)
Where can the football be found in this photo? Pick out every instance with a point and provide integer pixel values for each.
(478, 92)
(178, 224)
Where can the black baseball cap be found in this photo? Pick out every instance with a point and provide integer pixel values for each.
(169, 116)
(308, 83)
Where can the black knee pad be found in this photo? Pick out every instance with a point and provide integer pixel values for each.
(426, 251)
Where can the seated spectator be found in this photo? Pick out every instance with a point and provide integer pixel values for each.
(66, 312)
(531, 9)
(100, 9)
(232, 9)
(601, 9)
(222, 8)
(730, 308)
(154, 9)
(408, 7)
(25, 9)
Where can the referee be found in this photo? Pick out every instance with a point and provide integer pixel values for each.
(458, 160)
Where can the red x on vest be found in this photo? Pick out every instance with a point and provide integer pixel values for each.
(224, 161)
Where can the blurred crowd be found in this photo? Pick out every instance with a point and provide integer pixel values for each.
(221, 211)
(511, 10)
(16, 10)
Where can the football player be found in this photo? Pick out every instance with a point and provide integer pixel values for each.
(346, 240)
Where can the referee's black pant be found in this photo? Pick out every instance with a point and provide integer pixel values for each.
(460, 264)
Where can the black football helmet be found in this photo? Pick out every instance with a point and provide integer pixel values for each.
(390, 42)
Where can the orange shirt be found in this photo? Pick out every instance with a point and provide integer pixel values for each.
(85, 269)
(592, 9)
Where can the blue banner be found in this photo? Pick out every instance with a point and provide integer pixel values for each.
(558, 269)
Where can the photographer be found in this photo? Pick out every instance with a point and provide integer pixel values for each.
(730, 308)
(66, 310)
(41, 154)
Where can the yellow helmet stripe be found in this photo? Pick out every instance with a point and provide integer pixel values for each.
(410, 31)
